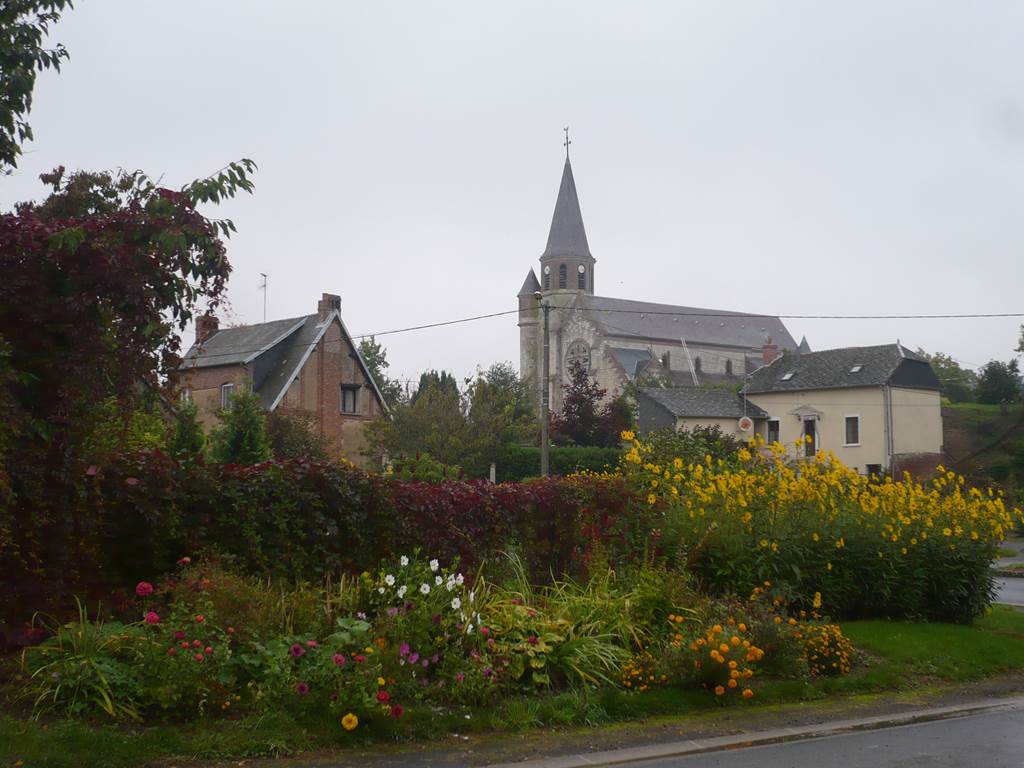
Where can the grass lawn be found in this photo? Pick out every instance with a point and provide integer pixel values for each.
(896, 656)
(1006, 552)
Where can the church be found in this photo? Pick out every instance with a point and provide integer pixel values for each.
(622, 340)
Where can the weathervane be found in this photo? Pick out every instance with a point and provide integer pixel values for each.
(567, 142)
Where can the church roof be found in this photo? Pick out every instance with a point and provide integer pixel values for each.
(530, 285)
(567, 236)
(624, 318)
(804, 346)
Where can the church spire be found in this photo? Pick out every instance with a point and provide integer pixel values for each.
(567, 237)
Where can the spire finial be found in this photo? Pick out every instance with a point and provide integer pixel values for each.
(567, 142)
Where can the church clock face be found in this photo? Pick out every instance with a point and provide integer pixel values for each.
(547, 269)
(579, 354)
(581, 269)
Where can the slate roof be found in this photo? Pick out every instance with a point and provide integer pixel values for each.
(630, 359)
(275, 352)
(567, 236)
(642, 319)
(530, 285)
(229, 346)
(834, 369)
(698, 402)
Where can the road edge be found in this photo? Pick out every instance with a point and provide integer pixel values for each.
(687, 747)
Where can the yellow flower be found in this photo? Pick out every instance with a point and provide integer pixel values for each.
(349, 722)
(947, 532)
(651, 498)
(627, 435)
(817, 600)
(381, 681)
(719, 690)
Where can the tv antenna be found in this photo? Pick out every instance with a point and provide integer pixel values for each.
(263, 287)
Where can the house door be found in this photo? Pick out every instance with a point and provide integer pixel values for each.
(810, 437)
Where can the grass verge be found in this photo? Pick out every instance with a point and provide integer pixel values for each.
(896, 656)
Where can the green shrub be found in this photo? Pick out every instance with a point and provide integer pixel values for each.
(518, 462)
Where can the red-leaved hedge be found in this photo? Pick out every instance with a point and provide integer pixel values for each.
(298, 519)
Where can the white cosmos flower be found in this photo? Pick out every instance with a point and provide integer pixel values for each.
(404, 561)
(450, 584)
(425, 588)
(456, 603)
(402, 590)
(389, 580)
(381, 590)
(437, 581)
(433, 565)
(469, 628)
(459, 579)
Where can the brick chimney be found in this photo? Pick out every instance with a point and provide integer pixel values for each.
(328, 303)
(769, 351)
(206, 326)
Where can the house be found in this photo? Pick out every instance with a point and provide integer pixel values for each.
(303, 364)
(876, 408)
(689, 407)
(622, 341)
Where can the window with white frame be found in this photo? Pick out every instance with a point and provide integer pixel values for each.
(226, 392)
(349, 398)
(852, 430)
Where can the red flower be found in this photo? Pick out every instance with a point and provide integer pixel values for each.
(196, 644)
(359, 658)
(397, 711)
(383, 696)
(172, 651)
(231, 630)
(311, 643)
(208, 649)
(143, 589)
(199, 657)
(152, 618)
(296, 650)
(184, 645)
(184, 560)
(179, 635)
(302, 689)
(338, 659)
(485, 631)
(532, 640)
(200, 618)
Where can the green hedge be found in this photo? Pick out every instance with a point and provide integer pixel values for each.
(517, 463)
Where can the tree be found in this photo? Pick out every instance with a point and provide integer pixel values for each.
(294, 435)
(957, 383)
(23, 25)
(241, 437)
(188, 438)
(999, 382)
(97, 282)
(585, 418)
(432, 423)
(441, 381)
(375, 355)
(1020, 342)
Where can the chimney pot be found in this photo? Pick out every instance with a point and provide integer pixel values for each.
(206, 326)
(329, 302)
(769, 351)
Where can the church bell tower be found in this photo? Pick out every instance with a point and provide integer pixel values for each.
(566, 264)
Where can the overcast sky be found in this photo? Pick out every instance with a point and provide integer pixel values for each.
(779, 157)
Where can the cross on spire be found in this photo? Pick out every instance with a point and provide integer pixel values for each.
(567, 142)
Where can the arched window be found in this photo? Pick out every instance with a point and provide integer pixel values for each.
(582, 284)
(547, 281)
(563, 276)
(579, 354)
(728, 367)
(696, 363)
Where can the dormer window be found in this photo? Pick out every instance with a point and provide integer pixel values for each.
(857, 368)
(787, 376)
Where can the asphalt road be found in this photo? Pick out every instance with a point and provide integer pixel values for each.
(993, 740)
(1011, 592)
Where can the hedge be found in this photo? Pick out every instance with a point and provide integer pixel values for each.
(519, 462)
(299, 519)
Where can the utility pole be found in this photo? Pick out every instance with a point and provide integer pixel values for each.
(545, 407)
(263, 288)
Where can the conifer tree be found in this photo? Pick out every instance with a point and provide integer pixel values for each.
(188, 438)
(241, 437)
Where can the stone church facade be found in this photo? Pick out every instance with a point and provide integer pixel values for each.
(620, 340)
